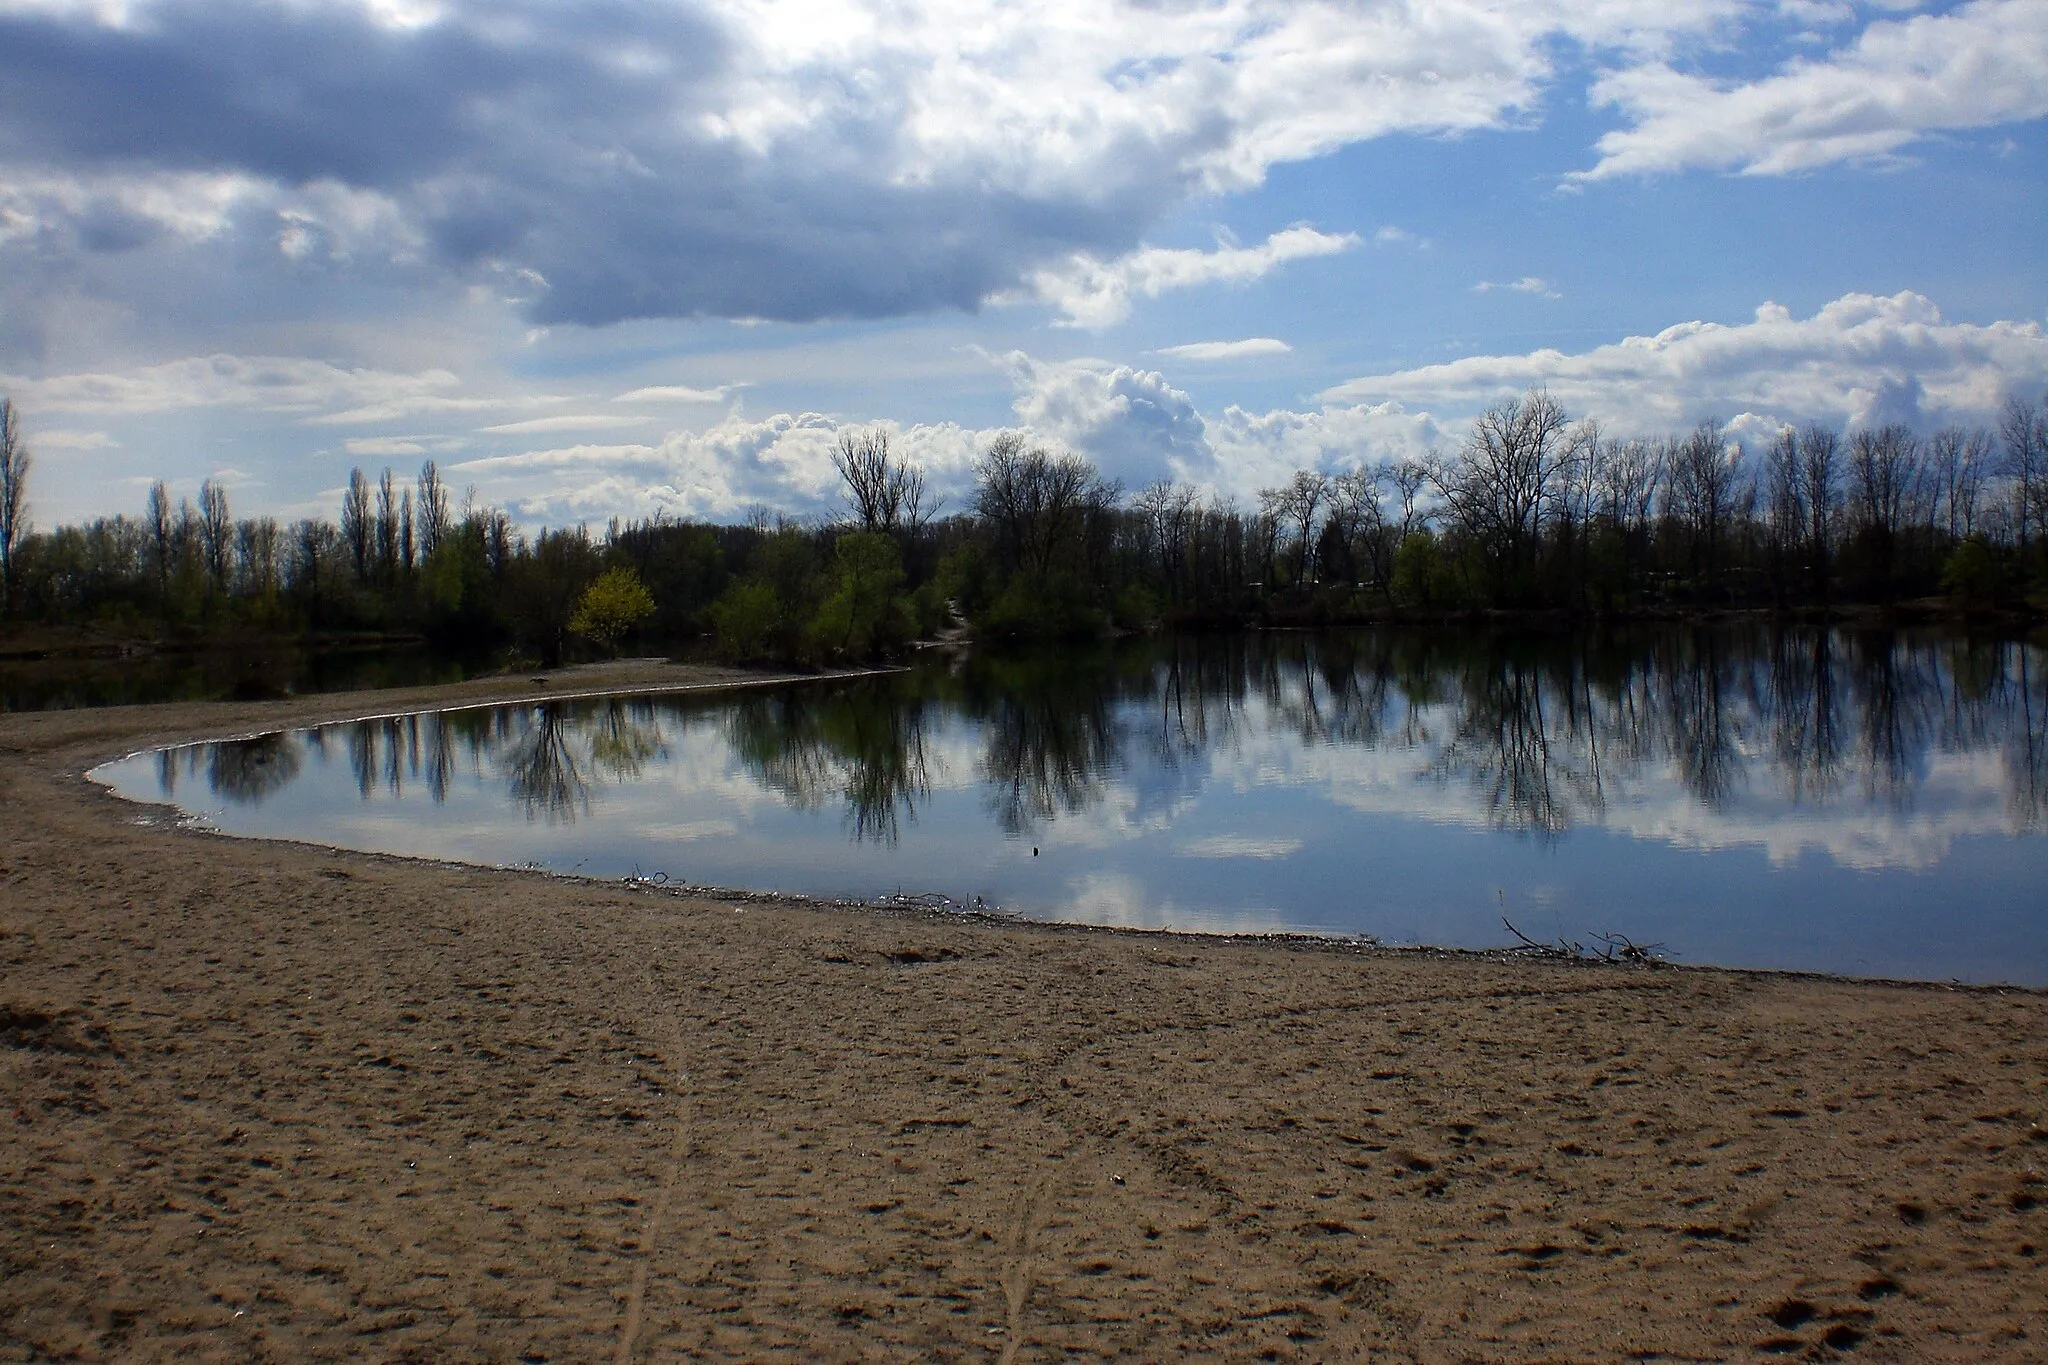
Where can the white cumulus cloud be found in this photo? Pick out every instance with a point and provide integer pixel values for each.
(1097, 293)
(1862, 357)
(1983, 64)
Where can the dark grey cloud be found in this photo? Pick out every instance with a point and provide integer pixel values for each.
(566, 140)
(304, 93)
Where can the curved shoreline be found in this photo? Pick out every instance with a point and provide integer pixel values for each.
(655, 678)
(273, 1100)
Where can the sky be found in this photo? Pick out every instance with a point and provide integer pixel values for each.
(626, 257)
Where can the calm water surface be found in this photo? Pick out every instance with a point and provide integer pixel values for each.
(1875, 804)
(65, 683)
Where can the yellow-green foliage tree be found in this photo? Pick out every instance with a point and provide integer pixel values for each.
(611, 606)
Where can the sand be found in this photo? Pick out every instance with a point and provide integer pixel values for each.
(268, 1101)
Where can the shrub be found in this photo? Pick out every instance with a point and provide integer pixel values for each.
(746, 620)
(612, 605)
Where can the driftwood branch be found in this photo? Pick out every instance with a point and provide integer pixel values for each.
(1612, 948)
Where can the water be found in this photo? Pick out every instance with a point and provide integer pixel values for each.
(1872, 804)
(250, 673)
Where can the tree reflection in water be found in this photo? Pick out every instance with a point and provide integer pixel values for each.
(1702, 723)
(1545, 732)
(1542, 733)
(863, 744)
(247, 770)
(1051, 733)
(545, 754)
(1502, 746)
(623, 736)
(2026, 750)
(542, 770)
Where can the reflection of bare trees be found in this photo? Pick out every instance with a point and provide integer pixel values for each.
(1804, 712)
(1201, 693)
(888, 776)
(1698, 714)
(1333, 690)
(1523, 744)
(546, 754)
(1894, 693)
(246, 771)
(864, 745)
(1042, 761)
(1545, 733)
(542, 770)
(2026, 748)
(1051, 734)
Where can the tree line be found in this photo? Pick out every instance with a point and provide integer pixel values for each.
(1533, 511)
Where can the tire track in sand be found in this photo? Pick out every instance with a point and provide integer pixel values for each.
(1018, 1268)
(636, 1297)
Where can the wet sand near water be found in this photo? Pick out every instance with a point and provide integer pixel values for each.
(267, 1101)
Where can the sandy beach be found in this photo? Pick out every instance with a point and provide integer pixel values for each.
(275, 1102)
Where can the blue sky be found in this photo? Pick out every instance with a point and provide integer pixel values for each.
(624, 256)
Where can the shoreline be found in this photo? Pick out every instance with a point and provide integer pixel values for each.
(271, 1100)
(639, 677)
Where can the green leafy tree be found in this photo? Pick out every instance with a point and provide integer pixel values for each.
(746, 619)
(864, 615)
(1973, 574)
(612, 605)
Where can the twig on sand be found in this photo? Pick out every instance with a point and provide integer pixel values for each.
(1621, 948)
(1612, 948)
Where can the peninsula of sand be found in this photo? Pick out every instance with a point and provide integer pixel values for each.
(270, 1101)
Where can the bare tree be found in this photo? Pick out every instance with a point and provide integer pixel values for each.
(216, 534)
(1884, 467)
(495, 530)
(433, 510)
(1884, 482)
(885, 492)
(14, 467)
(1038, 503)
(257, 546)
(355, 524)
(1784, 504)
(158, 525)
(406, 542)
(1960, 460)
(2024, 431)
(1705, 478)
(1499, 487)
(1356, 523)
(1408, 478)
(188, 544)
(1296, 503)
(315, 546)
(1627, 478)
(1573, 501)
(387, 527)
(1170, 512)
(1821, 495)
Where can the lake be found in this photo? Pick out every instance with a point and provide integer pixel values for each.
(1871, 803)
(249, 671)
